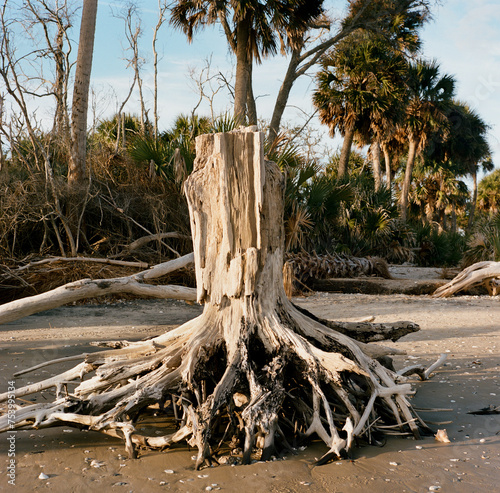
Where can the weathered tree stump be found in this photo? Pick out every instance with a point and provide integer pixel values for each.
(252, 370)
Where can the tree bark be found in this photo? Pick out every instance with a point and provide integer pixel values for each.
(405, 189)
(242, 70)
(252, 370)
(76, 169)
(251, 106)
(388, 172)
(345, 153)
(283, 94)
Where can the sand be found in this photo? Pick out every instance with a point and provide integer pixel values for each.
(466, 328)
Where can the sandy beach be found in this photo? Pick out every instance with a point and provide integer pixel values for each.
(464, 327)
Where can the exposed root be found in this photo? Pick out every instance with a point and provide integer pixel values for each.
(288, 376)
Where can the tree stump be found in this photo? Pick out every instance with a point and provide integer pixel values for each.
(252, 370)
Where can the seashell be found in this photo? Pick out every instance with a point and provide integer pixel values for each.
(442, 436)
(97, 463)
(43, 476)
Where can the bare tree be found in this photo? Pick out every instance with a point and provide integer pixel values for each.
(43, 15)
(129, 13)
(207, 85)
(162, 8)
(11, 74)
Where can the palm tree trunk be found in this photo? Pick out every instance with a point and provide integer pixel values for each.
(76, 170)
(453, 217)
(377, 171)
(243, 63)
(405, 191)
(388, 173)
(251, 107)
(345, 153)
(474, 199)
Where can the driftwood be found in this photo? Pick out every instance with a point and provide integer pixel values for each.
(144, 240)
(90, 288)
(485, 273)
(252, 375)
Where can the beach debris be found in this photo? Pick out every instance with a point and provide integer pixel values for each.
(486, 410)
(442, 436)
(97, 463)
(486, 273)
(120, 483)
(42, 475)
(169, 471)
(434, 488)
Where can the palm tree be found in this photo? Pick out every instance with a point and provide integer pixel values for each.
(396, 21)
(359, 91)
(253, 29)
(438, 191)
(466, 146)
(429, 96)
(489, 192)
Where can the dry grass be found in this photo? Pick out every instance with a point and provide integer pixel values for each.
(16, 284)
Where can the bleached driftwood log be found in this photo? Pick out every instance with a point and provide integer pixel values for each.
(91, 288)
(252, 373)
(486, 273)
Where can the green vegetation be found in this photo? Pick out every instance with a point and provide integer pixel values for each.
(398, 188)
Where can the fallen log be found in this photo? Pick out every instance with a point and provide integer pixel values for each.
(372, 285)
(306, 269)
(485, 273)
(91, 288)
(250, 377)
